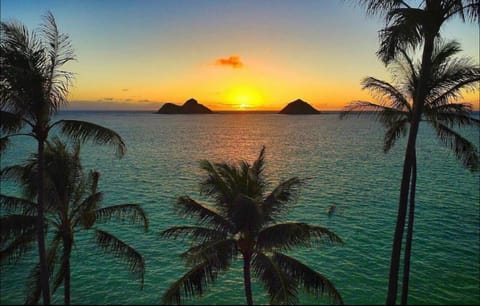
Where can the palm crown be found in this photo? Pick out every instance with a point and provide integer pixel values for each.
(242, 222)
(450, 76)
(74, 204)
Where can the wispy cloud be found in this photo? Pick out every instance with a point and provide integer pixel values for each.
(233, 61)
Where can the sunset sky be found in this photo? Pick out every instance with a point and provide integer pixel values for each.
(229, 55)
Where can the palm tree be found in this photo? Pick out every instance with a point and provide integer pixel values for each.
(33, 86)
(242, 221)
(408, 25)
(74, 204)
(450, 76)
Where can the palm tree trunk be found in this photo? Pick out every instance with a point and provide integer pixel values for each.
(407, 168)
(67, 248)
(408, 243)
(246, 278)
(44, 285)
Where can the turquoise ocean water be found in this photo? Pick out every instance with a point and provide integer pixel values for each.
(346, 166)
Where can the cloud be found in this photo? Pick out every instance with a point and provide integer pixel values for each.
(232, 61)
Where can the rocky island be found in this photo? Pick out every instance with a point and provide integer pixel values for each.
(191, 106)
(299, 107)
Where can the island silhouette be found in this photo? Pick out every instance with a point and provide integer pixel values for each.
(299, 107)
(191, 106)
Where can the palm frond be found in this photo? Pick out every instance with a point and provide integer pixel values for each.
(403, 30)
(13, 225)
(134, 212)
(191, 284)
(387, 93)
(112, 245)
(82, 131)
(394, 131)
(21, 78)
(312, 281)
(281, 288)
(204, 214)
(284, 195)
(451, 114)
(10, 123)
(13, 249)
(196, 233)
(464, 150)
(59, 52)
(379, 7)
(259, 164)
(284, 236)
(14, 204)
(246, 214)
(85, 212)
(388, 116)
(219, 253)
(213, 184)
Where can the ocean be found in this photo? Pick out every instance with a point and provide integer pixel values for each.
(344, 165)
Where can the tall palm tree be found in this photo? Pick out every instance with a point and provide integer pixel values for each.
(33, 85)
(411, 25)
(243, 222)
(74, 204)
(450, 76)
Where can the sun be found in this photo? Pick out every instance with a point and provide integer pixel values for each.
(244, 98)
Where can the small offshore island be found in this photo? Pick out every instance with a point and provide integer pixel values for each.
(191, 106)
(299, 107)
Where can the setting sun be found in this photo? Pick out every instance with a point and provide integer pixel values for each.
(244, 98)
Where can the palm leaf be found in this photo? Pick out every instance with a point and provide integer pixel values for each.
(203, 213)
(85, 212)
(259, 165)
(281, 288)
(13, 225)
(285, 194)
(246, 214)
(287, 235)
(218, 253)
(14, 204)
(82, 131)
(59, 52)
(134, 212)
(112, 245)
(395, 130)
(10, 123)
(387, 93)
(15, 248)
(193, 232)
(312, 281)
(403, 30)
(193, 283)
(464, 150)
(214, 185)
(451, 114)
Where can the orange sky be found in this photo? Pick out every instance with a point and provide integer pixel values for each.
(229, 55)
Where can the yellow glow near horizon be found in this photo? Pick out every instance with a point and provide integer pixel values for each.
(244, 98)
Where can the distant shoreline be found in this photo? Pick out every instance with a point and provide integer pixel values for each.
(220, 112)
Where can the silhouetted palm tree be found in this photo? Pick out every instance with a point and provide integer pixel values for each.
(242, 221)
(416, 24)
(450, 76)
(74, 204)
(33, 86)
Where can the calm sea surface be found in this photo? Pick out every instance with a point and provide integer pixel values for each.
(346, 166)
